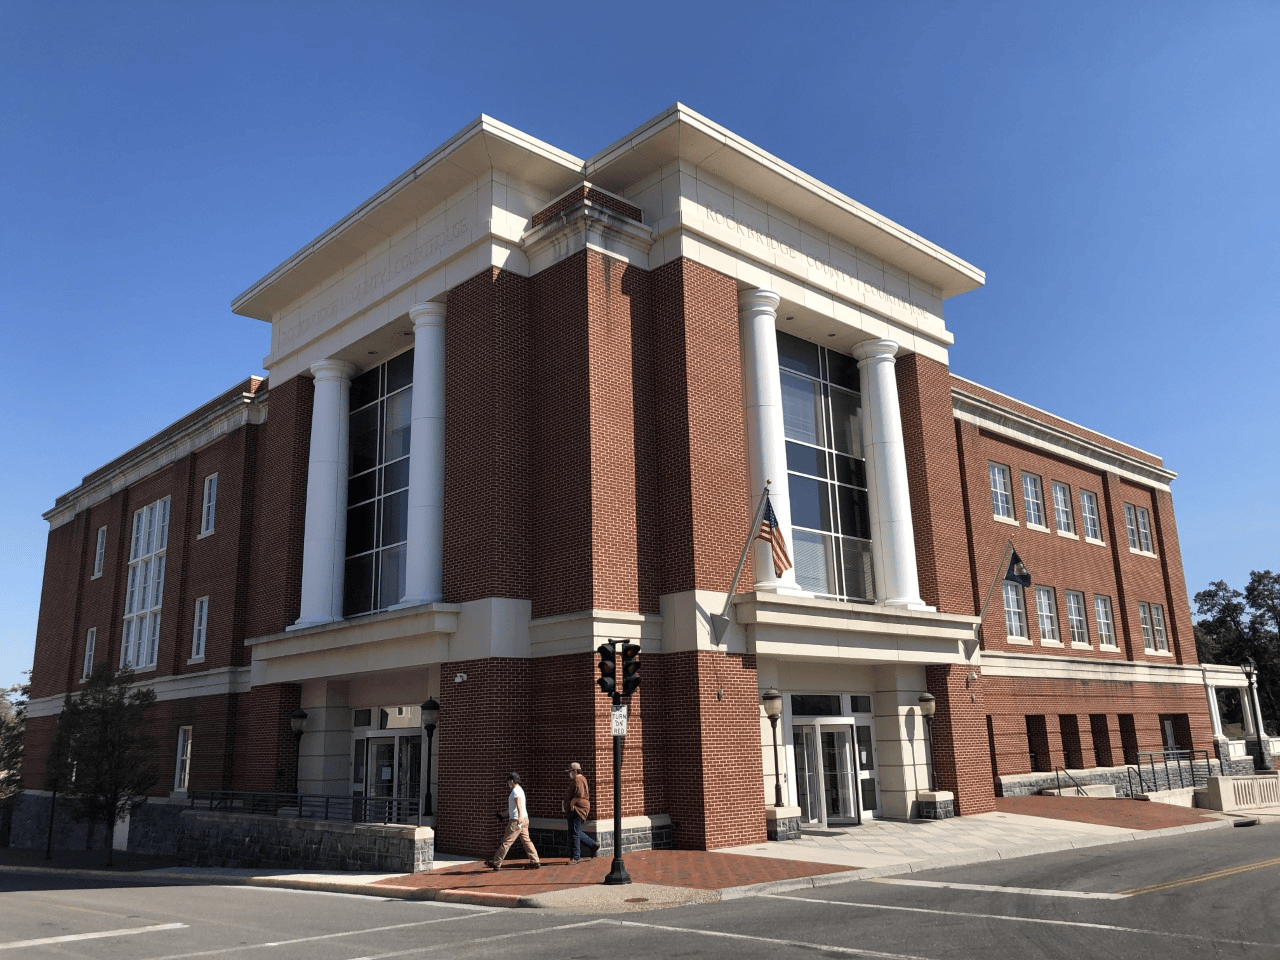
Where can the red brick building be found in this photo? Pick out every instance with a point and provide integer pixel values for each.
(520, 404)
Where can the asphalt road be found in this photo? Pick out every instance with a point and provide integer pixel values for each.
(1211, 894)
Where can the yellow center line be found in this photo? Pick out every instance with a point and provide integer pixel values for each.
(1216, 875)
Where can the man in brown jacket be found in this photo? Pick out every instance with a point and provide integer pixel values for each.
(577, 803)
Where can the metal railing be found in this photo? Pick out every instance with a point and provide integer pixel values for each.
(312, 806)
(1058, 773)
(1169, 770)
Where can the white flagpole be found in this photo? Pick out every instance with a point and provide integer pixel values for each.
(720, 622)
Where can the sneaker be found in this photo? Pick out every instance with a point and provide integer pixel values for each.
(495, 866)
(575, 860)
(534, 865)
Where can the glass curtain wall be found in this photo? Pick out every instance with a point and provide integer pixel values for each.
(378, 486)
(826, 473)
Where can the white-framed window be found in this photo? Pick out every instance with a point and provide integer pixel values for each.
(182, 768)
(1089, 512)
(200, 628)
(100, 552)
(1001, 491)
(1062, 513)
(1137, 521)
(1148, 637)
(1032, 500)
(1102, 616)
(90, 642)
(209, 505)
(1076, 619)
(1157, 628)
(144, 593)
(1047, 614)
(1015, 611)
(826, 472)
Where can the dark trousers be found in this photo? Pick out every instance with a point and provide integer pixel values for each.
(577, 838)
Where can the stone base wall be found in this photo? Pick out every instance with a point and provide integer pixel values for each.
(211, 839)
(29, 827)
(783, 828)
(552, 837)
(1126, 785)
(935, 809)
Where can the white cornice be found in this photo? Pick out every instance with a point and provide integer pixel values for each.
(1030, 666)
(159, 452)
(184, 686)
(990, 416)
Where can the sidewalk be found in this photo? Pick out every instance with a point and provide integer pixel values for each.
(1021, 826)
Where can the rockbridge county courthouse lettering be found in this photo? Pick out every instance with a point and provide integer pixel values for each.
(520, 404)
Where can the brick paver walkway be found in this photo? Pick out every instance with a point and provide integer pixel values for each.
(692, 869)
(1133, 814)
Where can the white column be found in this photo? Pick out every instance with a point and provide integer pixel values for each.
(325, 537)
(424, 552)
(893, 545)
(766, 442)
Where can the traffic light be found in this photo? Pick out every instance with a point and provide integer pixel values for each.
(607, 680)
(630, 667)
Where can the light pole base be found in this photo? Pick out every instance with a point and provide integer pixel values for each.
(618, 874)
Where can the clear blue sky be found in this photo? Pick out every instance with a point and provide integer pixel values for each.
(1111, 166)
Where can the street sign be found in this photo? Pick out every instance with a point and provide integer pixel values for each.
(620, 720)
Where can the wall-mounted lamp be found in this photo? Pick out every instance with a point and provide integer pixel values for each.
(928, 705)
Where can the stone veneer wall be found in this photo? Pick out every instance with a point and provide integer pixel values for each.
(210, 839)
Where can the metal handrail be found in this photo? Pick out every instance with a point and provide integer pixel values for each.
(1182, 762)
(311, 806)
(1058, 771)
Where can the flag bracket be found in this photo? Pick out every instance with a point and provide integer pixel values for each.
(720, 621)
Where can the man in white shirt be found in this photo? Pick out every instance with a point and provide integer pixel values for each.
(517, 826)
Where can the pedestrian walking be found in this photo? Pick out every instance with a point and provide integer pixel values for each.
(577, 804)
(517, 826)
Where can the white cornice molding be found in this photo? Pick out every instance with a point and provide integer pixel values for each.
(990, 416)
(184, 686)
(587, 226)
(1030, 666)
(159, 452)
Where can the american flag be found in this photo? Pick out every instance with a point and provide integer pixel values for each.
(771, 535)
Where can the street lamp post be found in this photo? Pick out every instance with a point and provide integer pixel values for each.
(772, 701)
(430, 714)
(927, 707)
(1251, 674)
(297, 723)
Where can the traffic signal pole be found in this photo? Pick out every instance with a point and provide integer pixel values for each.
(613, 685)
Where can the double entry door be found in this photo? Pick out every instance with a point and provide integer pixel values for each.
(390, 768)
(836, 778)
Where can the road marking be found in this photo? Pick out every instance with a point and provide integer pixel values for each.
(826, 948)
(1204, 877)
(72, 937)
(1030, 891)
(246, 947)
(999, 916)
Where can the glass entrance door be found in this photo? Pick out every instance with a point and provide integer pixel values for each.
(868, 777)
(381, 767)
(825, 773)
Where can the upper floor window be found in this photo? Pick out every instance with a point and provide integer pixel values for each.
(1157, 628)
(90, 642)
(1076, 619)
(209, 505)
(826, 473)
(1089, 513)
(144, 593)
(1148, 635)
(1001, 493)
(1032, 500)
(1137, 521)
(1015, 612)
(200, 628)
(378, 486)
(1047, 614)
(100, 552)
(1102, 616)
(1062, 514)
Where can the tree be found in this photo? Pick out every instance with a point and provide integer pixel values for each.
(1236, 625)
(13, 730)
(101, 757)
